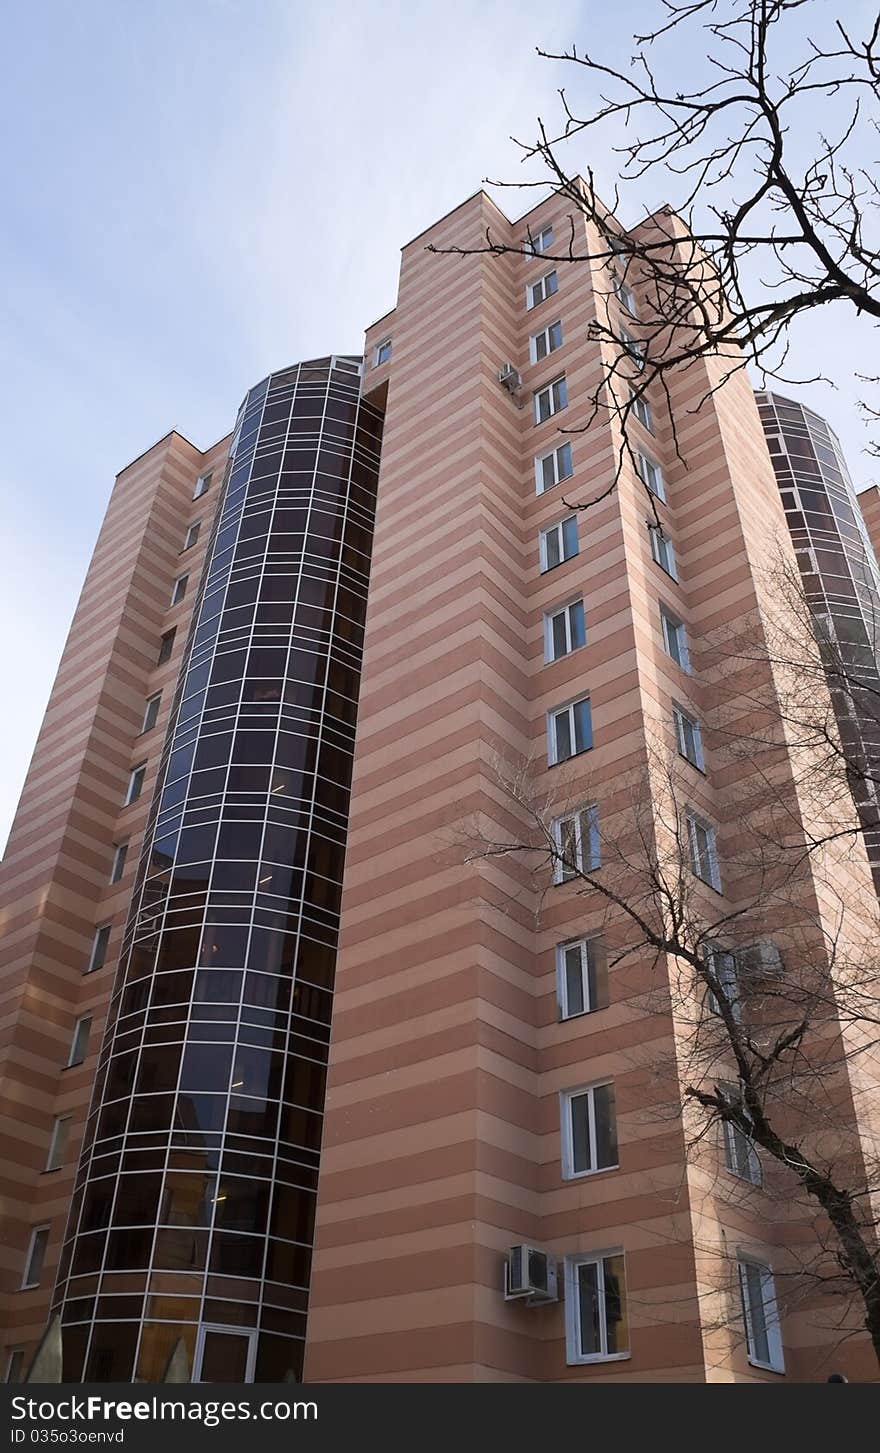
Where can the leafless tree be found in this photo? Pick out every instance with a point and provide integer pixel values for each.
(776, 1012)
(771, 210)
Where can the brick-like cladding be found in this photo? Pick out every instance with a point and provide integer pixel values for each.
(451, 1057)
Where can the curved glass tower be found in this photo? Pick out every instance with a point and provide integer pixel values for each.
(841, 579)
(194, 1203)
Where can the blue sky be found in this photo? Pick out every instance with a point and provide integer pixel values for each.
(197, 191)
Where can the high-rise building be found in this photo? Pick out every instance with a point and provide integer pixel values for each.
(498, 1075)
(841, 580)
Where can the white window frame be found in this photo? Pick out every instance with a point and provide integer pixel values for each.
(573, 1355)
(178, 590)
(540, 486)
(566, 1099)
(770, 1312)
(591, 812)
(60, 1132)
(537, 293)
(740, 1149)
(117, 870)
(539, 243)
(549, 345)
(74, 1039)
(662, 550)
(155, 699)
(625, 295)
(661, 546)
(14, 1364)
(557, 529)
(170, 637)
(549, 617)
(697, 823)
(191, 539)
(634, 348)
(673, 629)
(378, 350)
(584, 947)
(132, 781)
(549, 391)
(679, 717)
(228, 1331)
(36, 1231)
(651, 475)
(203, 484)
(642, 410)
(725, 971)
(552, 714)
(93, 965)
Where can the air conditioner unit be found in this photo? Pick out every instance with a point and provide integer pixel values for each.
(760, 960)
(529, 1276)
(509, 378)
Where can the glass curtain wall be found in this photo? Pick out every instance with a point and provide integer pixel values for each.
(841, 579)
(194, 1203)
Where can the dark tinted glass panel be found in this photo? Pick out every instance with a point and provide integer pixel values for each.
(220, 900)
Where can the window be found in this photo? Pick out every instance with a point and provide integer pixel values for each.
(674, 638)
(550, 399)
(553, 467)
(119, 858)
(98, 956)
(634, 347)
(151, 712)
(192, 535)
(740, 1154)
(564, 630)
(382, 352)
(33, 1266)
(642, 410)
(203, 484)
(576, 839)
(546, 342)
(650, 475)
(589, 1134)
(14, 1363)
(135, 784)
(558, 542)
(570, 730)
(581, 977)
(80, 1041)
(662, 551)
(58, 1144)
(688, 736)
(166, 646)
(625, 295)
(179, 590)
(595, 1308)
(760, 1314)
(545, 287)
(723, 968)
(703, 852)
(542, 241)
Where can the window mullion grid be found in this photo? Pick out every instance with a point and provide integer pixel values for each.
(220, 817)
